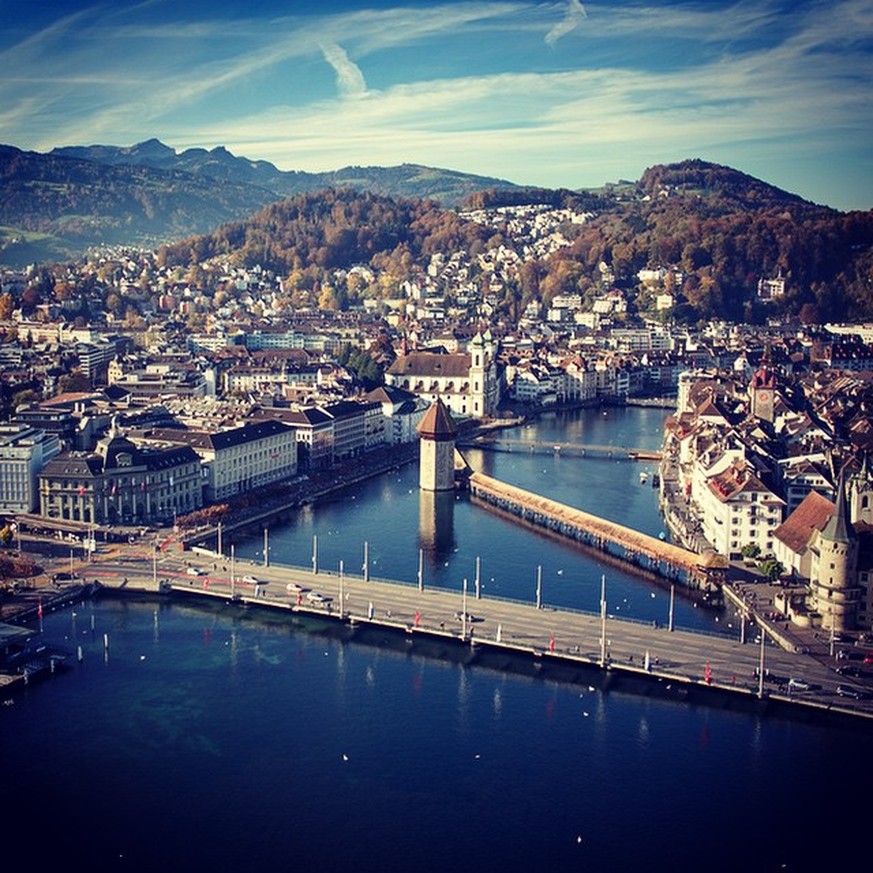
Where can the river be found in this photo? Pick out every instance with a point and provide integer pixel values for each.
(213, 738)
(399, 523)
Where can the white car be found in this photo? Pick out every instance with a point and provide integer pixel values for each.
(195, 571)
(252, 580)
(315, 597)
(294, 588)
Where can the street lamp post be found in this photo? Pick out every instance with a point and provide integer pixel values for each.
(231, 571)
(761, 665)
(603, 620)
(464, 611)
(421, 569)
(539, 586)
(315, 554)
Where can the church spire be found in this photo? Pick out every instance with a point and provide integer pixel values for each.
(837, 528)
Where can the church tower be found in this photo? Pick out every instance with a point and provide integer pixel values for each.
(861, 493)
(437, 449)
(478, 388)
(835, 592)
(762, 391)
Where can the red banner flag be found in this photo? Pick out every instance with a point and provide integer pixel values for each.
(417, 618)
(39, 607)
(552, 643)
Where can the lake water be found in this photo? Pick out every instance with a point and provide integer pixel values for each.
(216, 739)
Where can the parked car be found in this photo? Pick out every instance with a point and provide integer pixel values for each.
(795, 684)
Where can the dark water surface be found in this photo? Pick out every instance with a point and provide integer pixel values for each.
(218, 739)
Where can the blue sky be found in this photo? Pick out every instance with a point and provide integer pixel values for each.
(559, 94)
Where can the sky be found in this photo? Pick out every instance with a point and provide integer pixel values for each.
(559, 94)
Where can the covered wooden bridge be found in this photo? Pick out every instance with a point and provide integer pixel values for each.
(703, 571)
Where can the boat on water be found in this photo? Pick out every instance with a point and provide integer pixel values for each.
(644, 477)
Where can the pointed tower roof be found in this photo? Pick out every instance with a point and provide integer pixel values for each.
(837, 528)
(437, 423)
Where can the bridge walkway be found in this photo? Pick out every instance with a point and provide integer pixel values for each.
(663, 558)
(498, 443)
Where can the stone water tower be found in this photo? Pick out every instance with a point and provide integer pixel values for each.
(437, 454)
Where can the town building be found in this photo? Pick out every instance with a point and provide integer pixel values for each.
(24, 451)
(236, 460)
(121, 483)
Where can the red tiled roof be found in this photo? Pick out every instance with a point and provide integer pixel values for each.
(811, 515)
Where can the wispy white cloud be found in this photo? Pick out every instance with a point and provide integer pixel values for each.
(572, 18)
(727, 81)
(349, 78)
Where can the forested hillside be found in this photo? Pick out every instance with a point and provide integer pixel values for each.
(721, 229)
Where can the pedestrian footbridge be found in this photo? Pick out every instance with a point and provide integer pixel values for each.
(704, 571)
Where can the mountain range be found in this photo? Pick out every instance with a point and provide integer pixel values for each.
(722, 228)
(55, 205)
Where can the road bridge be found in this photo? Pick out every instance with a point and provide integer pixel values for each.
(495, 632)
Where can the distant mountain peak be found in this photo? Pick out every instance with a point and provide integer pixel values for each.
(150, 146)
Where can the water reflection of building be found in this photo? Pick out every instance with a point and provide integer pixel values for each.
(436, 524)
